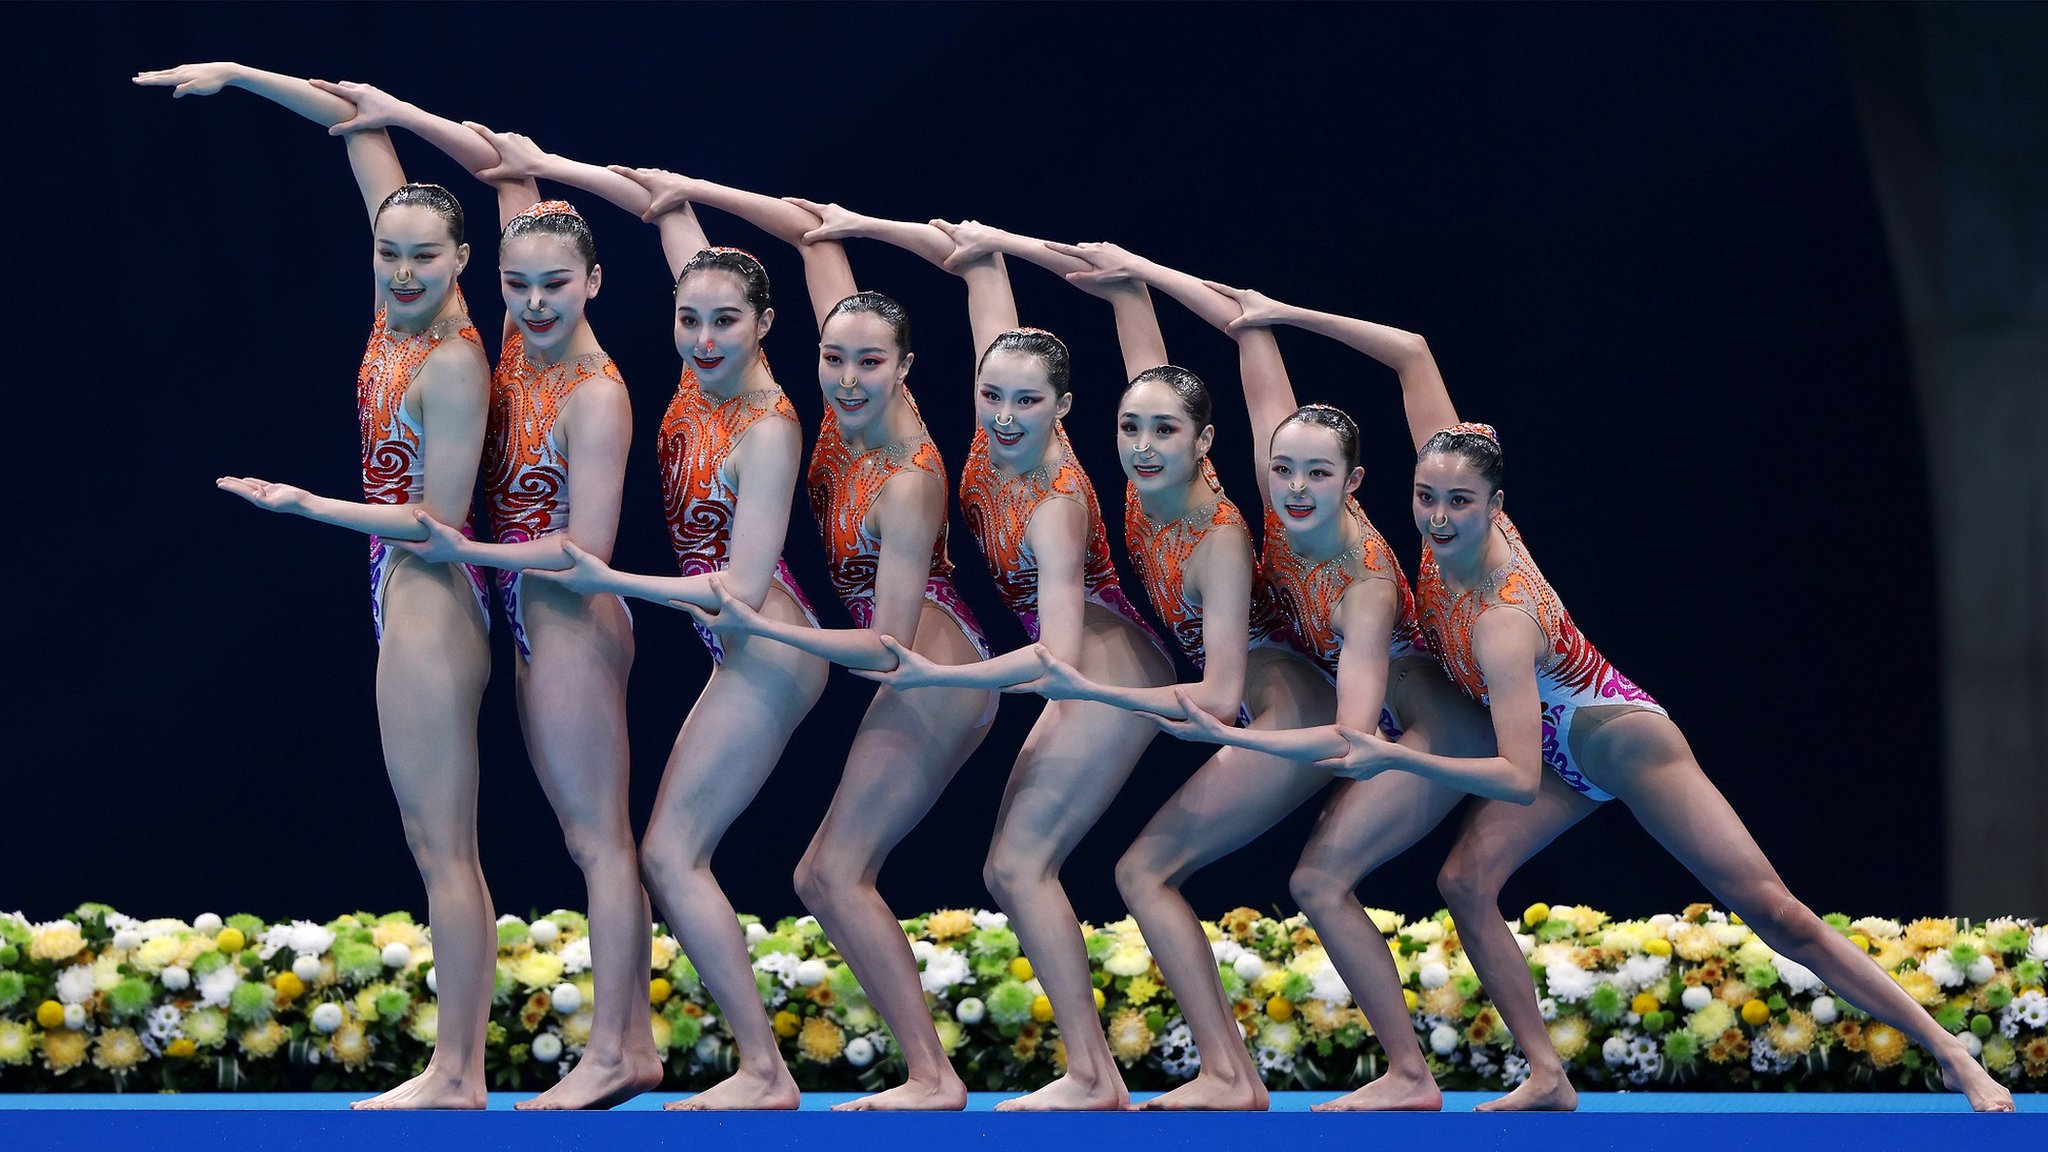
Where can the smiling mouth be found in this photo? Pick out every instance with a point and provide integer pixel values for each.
(851, 405)
(1148, 469)
(540, 325)
(707, 363)
(1443, 539)
(1299, 511)
(1007, 439)
(407, 295)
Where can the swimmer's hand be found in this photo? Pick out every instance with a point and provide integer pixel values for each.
(1199, 724)
(264, 494)
(1369, 754)
(586, 574)
(443, 545)
(727, 614)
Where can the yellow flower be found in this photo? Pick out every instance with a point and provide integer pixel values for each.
(1583, 918)
(1444, 1000)
(1998, 1053)
(1141, 990)
(1695, 942)
(1129, 1038)
(118, 1050)
(1889, 954)
(659, 990)
(1570, 1035)
(1644, 1004)
(1414, 1001)
(950, 1033)
(1929, 934)
(50, 1014)
(1387, 922)
(17, 1042)
(425, 1025)
(1535, 914)
(1755, 1013)
(786, 1023)
(948, 923)
(350, 1045)
(395, 932)
(1239, 922)
(663, 953)
(265, 1039)
(1860, 940)
(1100, 1000)
(59, 941)
(821, 1039)
(1794, 1035)
(1270, 982)
(1041, 1009)
(180, 1049)
(156, 954)
(1280, 1008)
(576, 1025)
(537, 970)
(1885, 1044)
(1921, 987)
(1711, 1021)
(1020, 969)
(1320, 1015)
(1734, 993)
(230, 940)
(664, 1032)
(1128, 960)
(1657, 946)
(289, 987)
(1059, 1055)
(63, 1049)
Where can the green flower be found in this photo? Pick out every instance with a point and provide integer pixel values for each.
(777, 942)
(1556, 928)
(1296, 986)
(1964, 955)
(16, 933)
(9, 953)
(1233, 984)
(2028, 972)
(251, 1003)
(494, 1033)
(248, 925)
(395, 918)
(1606, 1003)
(568, 921)
(392, 1003)
(1761, 976)
(843, 982)
(12, 988)
(1980, 1025)
(1997, 996)
(1837, 921)
(1467, 985)
(1000, 942)
(130, 997)
(1951, 1017)
(683, 976)
(2006, 943)
(1100, 945)
(511, 934)
(357, 961)
(206, 1027)
(92, 915)
(502, 985)
(1681, 1048)
(208, 963)
(1009, 1003)
(684, 1030)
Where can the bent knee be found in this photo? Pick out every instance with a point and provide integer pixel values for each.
(1463, 881)
(1008, 871)
(1317, 890)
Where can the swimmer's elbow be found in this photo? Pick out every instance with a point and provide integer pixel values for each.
(1525, 783)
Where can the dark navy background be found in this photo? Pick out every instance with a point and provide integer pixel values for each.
(1641, 241)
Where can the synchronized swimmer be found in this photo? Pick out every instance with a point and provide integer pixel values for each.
(1316, 657)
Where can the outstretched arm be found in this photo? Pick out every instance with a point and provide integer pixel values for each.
(520, 157)
(991, 309)
(370, 154)
(827, 274)
(1423, 394)
(376, 108)
(1137, 327)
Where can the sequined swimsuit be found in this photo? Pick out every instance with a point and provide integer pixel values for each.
(843, 485)
(698, 435)
(526, 467)
(1294, 602)
(998, 513)
(394, 446)
(1571, 674)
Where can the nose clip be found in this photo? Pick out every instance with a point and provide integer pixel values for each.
(1296, 487)
(404, 275)
(1005, 420)
(1440, 520)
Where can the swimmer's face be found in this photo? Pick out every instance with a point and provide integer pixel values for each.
(861, 369)
(718, 332)
(1306, 480)
(1157, 440)
(1453, 504)
(1016, 406)
(416, 261)
(546, 286)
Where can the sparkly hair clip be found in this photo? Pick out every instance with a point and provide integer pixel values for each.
(729, 250)
(1029, 332)
(1472, 428)
(552, 208)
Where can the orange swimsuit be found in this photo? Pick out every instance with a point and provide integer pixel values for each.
(1294, 602)
(394, 452)
(1161, 552)
(1571, 675)
(844, 485)
(526, 477)
(998, 512)
(698, 434)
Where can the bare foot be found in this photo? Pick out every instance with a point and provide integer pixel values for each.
(600, 1082)
(1967, 1076)
(1549, 1093)
(767, 1089)
(1070, 1093)
(912, 1096)
(1209, 1092)
(433, 1088)
(1389, 1093)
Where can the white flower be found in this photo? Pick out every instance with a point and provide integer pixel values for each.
(127, 940)
(757, 932)
(1248, 967)
(434, 980)
(166, 1023)
(162, 926)
(1526, 943)
(1226, 951)
(1823, 1010)
(306, 967)
(1425, 931)
(575, 954)
(74, 1016)
(922, 950)
(1695, 998)
(1663, 920)
(811, 973)
(2029, 1008)
(1616, 1052)
(1568, 982)
(970, 1010)
(397, 955)
(1941, 968)
(1128, 960)
(859, 1052)
(544, 933)
(1514, 1069)
(2037, 945)
(1642, 1049)
(944, 969)
(1878, 928)
(1731, 935)
(306, 938)
(1798, 978)
(216, 986)
(75, 984)
(1434, 975)
(1548, 1007)
(1443, 1039)
(707, 1048)
(986, 920)
(547, 1047)
(175, 979)
(1387, 922)
(566, 998)
(1971, 1044)
(781, 965)
(1178, 1056)
(1641, 971)
(1981, 970)
(207, 924)
(327, 1017)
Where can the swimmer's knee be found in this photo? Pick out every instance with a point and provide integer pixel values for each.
(1466, 883)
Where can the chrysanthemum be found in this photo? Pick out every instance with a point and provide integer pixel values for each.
(17, 1042)
(944, 969)
(2034, 1054)
(1930, 933)
(1920, 986)
(63, 1049)
(156, 954)
(1141, 990)
(117, 1050)
(1129, 1038)
(1570, 1035)
(663, 953)
(1694, 942)
(425, 1025)
(1444, 1000)
(537, 970)
(576, 1027)
(1128, 960)
(821, 1040)
(206, 1027)
(350, 1045)
(1717, 1017)
(948, 923)
(1889, 954)
(56, 941)
(1239, 922)
(1794, 1035)
(1885, 1044)
(74, 984)
(265, 1039)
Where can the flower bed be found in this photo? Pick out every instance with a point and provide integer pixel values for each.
(99, 1001)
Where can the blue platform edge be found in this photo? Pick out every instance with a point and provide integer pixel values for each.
(1623, 1122)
